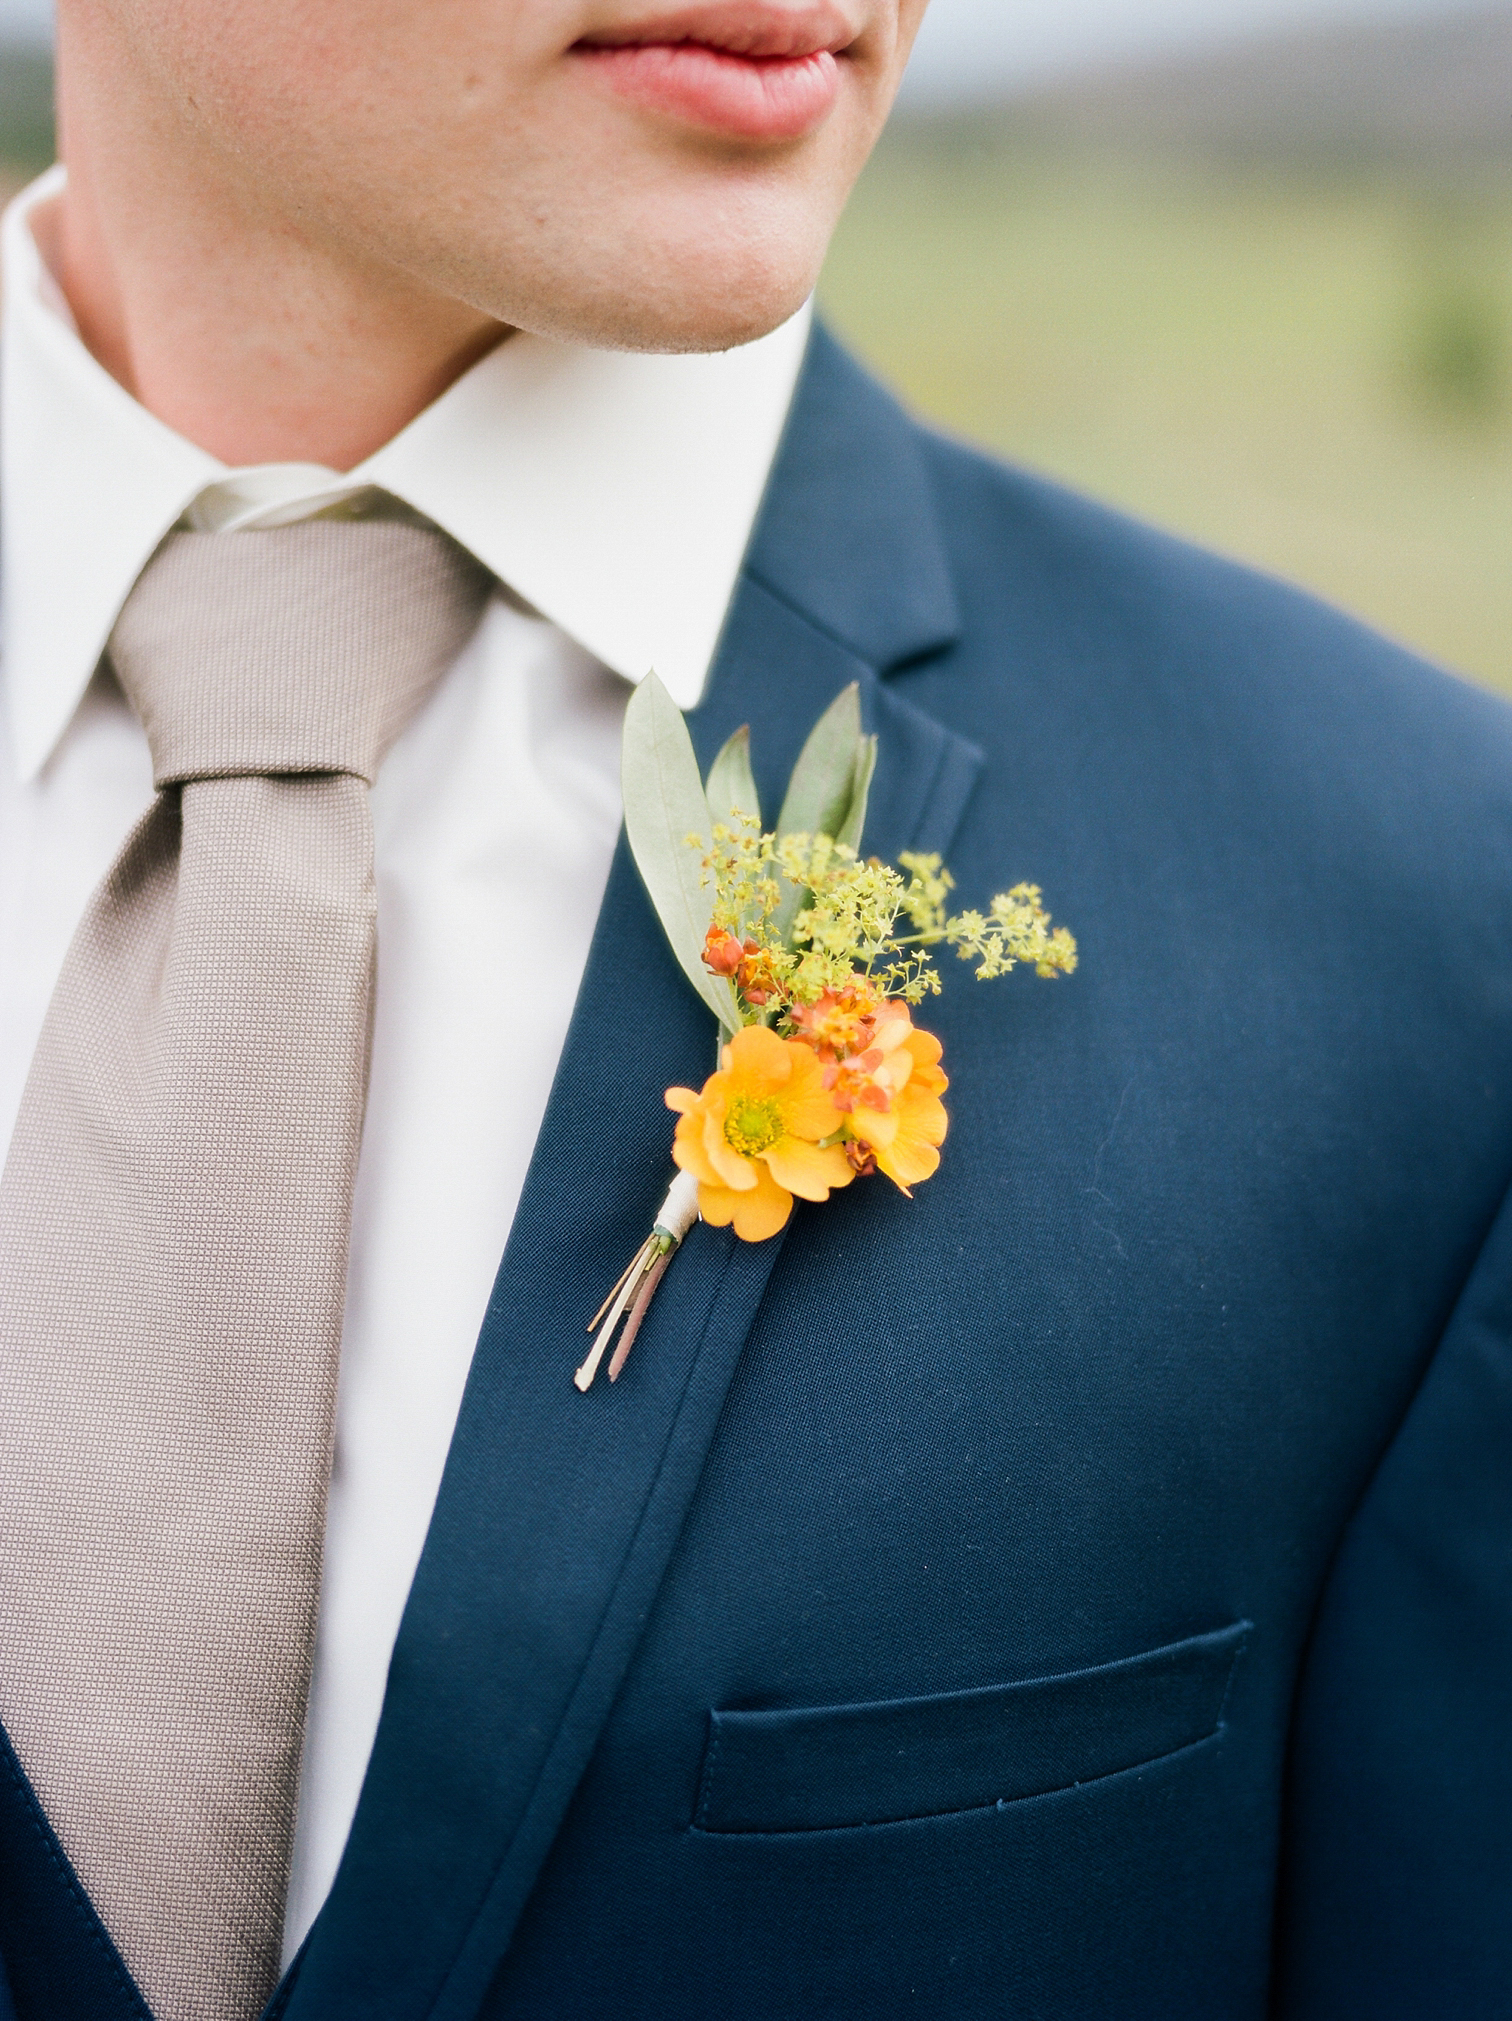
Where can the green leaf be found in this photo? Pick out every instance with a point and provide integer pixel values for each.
(827, 792)
(855, 816)
(664, 805)
(731, 787)
(820, 791)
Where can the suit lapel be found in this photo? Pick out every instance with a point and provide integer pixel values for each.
(558, 1513)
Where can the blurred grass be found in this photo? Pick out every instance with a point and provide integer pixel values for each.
(26, 109)
(1309, 370)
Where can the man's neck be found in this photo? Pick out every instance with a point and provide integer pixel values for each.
(245, 333)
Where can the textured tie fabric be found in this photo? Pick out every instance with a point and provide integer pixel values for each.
(174, 1218)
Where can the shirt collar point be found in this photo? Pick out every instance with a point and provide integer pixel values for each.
(34, 739)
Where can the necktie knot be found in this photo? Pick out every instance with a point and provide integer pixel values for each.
(298, 649)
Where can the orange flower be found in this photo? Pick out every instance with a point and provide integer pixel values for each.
(722, 953)
(751, 1137)
(745, 962)
(890, 1097)
(840, 1022)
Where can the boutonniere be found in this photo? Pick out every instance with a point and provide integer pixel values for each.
(812, 961)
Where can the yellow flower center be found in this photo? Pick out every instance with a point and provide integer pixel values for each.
(752, 1127)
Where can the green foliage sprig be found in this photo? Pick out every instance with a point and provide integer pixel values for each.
(854, 918)
(766, 922)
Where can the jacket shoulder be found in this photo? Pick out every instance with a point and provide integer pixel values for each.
(1011, 532)
(1186, 658)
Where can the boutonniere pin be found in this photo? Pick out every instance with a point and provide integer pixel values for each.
(812, 961)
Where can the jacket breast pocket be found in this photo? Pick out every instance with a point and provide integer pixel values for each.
(825, 1767)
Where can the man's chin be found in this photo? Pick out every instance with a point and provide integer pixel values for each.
(670, 320)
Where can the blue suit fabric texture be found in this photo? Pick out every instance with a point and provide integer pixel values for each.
(1082, 1590)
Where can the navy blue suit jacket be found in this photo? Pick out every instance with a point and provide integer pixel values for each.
(1086, 1589)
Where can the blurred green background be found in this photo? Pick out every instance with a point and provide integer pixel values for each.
(1263, 298)
(1307, 371)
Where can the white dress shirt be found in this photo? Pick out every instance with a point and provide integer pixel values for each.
(614, 495)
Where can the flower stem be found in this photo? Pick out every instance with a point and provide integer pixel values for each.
(633, 1292)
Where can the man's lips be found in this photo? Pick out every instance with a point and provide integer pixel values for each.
(755, 74)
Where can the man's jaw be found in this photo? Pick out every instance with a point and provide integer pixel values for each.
(746, 69)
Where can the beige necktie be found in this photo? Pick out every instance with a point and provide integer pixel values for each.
(174, 1220)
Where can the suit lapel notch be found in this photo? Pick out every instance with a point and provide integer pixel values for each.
(850, 535)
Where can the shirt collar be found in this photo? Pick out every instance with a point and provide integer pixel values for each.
(614, 492)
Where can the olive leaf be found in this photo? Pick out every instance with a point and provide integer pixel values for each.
(664, 806)
(731, 786)
(827, 792)
(849, 831)
(820, 791)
